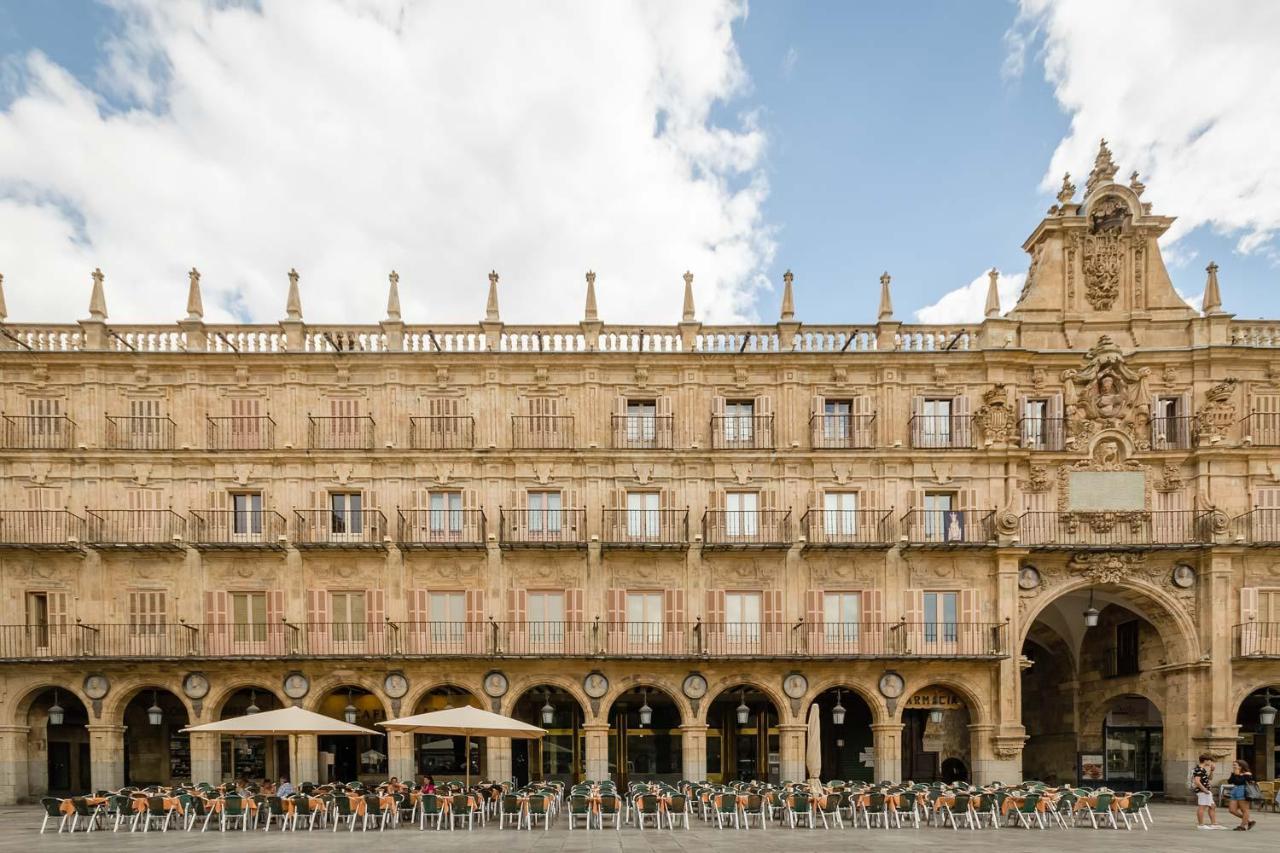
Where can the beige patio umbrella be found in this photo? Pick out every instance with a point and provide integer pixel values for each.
(465, 722)
(291, 721)
(813, 746)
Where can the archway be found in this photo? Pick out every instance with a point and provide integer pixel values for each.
(57, 744)
(936, 735)
(1083, 651)
(742, 736)
(348, 758)
(847, 739)
(1258, 731)
(252, 757)
(561, 755)
(156, 750)
(440, 756)
(645, 739)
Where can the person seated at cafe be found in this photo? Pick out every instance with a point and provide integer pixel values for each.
(267, 788)
(284, 789)
(428, 785)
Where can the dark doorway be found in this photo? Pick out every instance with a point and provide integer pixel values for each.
(520, 761)
(918, 764)
(59, 766)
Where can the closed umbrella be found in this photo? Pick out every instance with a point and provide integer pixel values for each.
(291, 721)
(813, 747)
(465, 722)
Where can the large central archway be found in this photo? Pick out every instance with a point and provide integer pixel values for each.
(645, 739)
(743, 739)
(561, 754)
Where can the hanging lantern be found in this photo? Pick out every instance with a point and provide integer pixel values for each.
(1091, 615)
(1266, 714)
(350, 712)
(837, 712)
(57, 713)
(548, 711)
(646, 713)
(744, 713)
(935, 716)
(253, 703)
(155, 714)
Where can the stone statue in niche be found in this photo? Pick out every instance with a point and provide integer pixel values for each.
(1107, 394)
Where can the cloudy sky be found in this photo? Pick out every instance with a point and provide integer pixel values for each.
(347, 138)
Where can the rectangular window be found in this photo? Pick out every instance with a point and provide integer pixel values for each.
(545, 616)
(345, 515)
(840, 514)
(936, 428)
(642, 420)
(836, 418)
(1268, 605)
(841, 615)
(1127, 648)
(148, 613)
(448, 613)
(1169, 429)
(545, 512)
(249, 616)
(1035, 424)
(940, 517)
(739, 421)
(742, 513)
(38, 617)
(644, 617)
(940, 610)
(246, 514)
(445, 513)
(742, 616)
(347, 610)
(642, 515)
(46, 426)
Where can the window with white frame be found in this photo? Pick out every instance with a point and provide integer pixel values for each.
(249, 616)
(742, 612)
(644, 617)
(841, 615)
(940, 609)
(545, 513)
(840, 514)
(742, 513)
(349, 614)
(642, 515)
(545, 616)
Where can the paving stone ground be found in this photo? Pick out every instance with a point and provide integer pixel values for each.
(1173, 832)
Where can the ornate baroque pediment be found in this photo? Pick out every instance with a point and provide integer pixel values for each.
(1107, 394)
(1109, 566)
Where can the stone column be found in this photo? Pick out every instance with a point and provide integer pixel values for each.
(106, 757)
(887, 751)
(497, 758)
(597, 758)
(791, 751)
(206, 757)
(400, 755)
(993, 762)
(13, 763)
(308, 769)
(693, 752)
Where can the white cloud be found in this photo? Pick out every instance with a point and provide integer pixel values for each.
(789, 61)
(350, 137)
(1186, 93)
(966, 304)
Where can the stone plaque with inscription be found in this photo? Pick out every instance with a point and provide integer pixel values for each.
(1094, 491)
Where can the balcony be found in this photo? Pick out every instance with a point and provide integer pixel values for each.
(746, 529)
(347, 432)
(542, 528)
(354, 529)
(842, 432)
(39, 432)
(941, 432)
(1257, 640)
(229, 529)
(542, 432)
(848, 528)
(127, 432)
(742, 432)
(42, 530)
(950, 528)
(241, 432)
(442, 433)
(1172, 433)
(1042, 433)
(1138, 530)
(440, 528)
(135, 529)
(643, 432)
(1258, 527)
(1261, 429)
(654, 529)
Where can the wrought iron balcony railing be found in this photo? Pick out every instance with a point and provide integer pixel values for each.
(849, 528)
(327, 528)
(135, 528)
(440, 528)
(242, 432)
(543, 527)
(742, 432)
(941, 432)
(760, 528)
(1110, 530)
(39, 432)
(346, 432)
(230, 528)
(948, 528)
(542, 432)
(842, 432)
(642, 528)
(1257, 640)
(128, 432)
(1261, 429)
(453, 432)
(1258, 527)
(643, 432)
(1173, 433)
(1042, 433)
(42, 529)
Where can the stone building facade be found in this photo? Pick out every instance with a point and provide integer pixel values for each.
(1044, 545)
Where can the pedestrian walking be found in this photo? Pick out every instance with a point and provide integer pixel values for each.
(1241, 781)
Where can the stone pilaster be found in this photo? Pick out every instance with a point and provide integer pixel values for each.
(306, 753)
(13, 763)
(887, 740)
(597, 757)
(994, 758)
(791, 751)
(106, 757)
(693, 751)
(206, 757)
(497, 759)
(400, 755)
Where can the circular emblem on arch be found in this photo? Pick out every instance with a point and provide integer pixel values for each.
(495, 684)
(694, 686)
(1183, 577)
(891, 685)
(395, 684)
(795, 685)
(595, 684)
(96, 686)
(196, 685)
(1028, 578)
(296, 685)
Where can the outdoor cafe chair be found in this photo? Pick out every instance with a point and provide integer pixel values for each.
(508, 809)
(118, 810)
(1133, 809)
(951, 813)
(648, 807)
(1147, 795)
(1029, 810)
(832, 808)
(579, 807)
(877, 809)
(725, 809)
(233, 811)
(1102, 808)
(53, 811)
(374, 812)
(1063, 810)
(343, 810)
(539, 810)
(301, 810)
(155, 812)
(610, 809)
(755, 808)
(678, 810)
(800, 808)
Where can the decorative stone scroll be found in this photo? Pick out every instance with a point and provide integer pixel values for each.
(1108, 567)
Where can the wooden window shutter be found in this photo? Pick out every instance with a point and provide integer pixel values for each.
(913, 613)
(473, 604)
(917, 423)
(573, 605)
(874, 633)
(275, 618)
(817, 421)
(663, 406)
(217, 607)
(1264, 419)
(872, 606)
(715, 607)
(419, 608)
(862, 430)
(518, 605)
(1026, 430)
(615, 605)
(1056, 429)
(814, 611)
(969, 631)
(673, 606)
(59, 612)
(1250, 631)
(318, 620)
(717, 406)
(961, 425)
(764, 405)
(376, 614)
